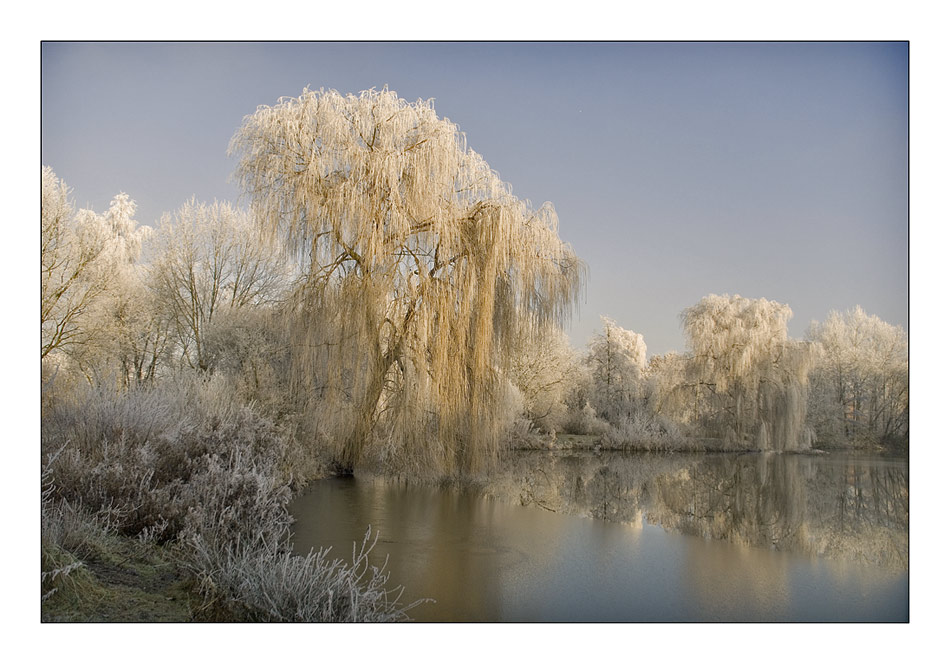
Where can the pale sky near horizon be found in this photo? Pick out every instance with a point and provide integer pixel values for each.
(774, 170)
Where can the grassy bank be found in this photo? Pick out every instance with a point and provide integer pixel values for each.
(104, 577)
(112, 578)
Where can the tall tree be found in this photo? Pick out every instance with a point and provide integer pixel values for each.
(617, 359)
(129, 336)
(755, 375)
(420, 269)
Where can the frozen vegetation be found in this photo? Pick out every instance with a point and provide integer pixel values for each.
(385, 303)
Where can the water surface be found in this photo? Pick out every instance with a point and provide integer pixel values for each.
(611, 537)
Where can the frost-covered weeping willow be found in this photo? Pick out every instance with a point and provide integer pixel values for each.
(420, 270)
(741, 353)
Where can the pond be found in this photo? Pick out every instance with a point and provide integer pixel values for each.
(600, 537)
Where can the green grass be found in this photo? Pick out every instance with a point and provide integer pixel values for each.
(120, 580)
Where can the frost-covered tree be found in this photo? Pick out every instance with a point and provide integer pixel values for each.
(142, 334)
(756, 378)
(73, 271)
(617, 360)
(860, 385)
(546, 369)
(420, 270)
(670, 393)
(138, 342)
(87, 261)
(130, 336)
(210, 259)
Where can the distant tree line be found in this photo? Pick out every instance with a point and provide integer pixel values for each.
(742, 384)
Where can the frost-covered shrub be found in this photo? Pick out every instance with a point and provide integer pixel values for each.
(101, 421)
(236, 498)
(586, 422)
(271, 584)
(643, 431)
(188, 463)
(164, 461)
(251, 348)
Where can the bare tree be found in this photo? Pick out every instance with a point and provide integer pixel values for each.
(420, 268)
(210, 259)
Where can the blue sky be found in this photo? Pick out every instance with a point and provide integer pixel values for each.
(774, 170)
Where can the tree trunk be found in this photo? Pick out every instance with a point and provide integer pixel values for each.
(365, 414)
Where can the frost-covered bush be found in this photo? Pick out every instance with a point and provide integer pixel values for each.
(270, 584)
(585, 421)
(250, 346)
(185, 462)
(168, 460)
(643, 431)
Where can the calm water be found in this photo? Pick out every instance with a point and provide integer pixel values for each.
(640, 537)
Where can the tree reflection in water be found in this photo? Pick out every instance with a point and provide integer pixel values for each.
(846, 507)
